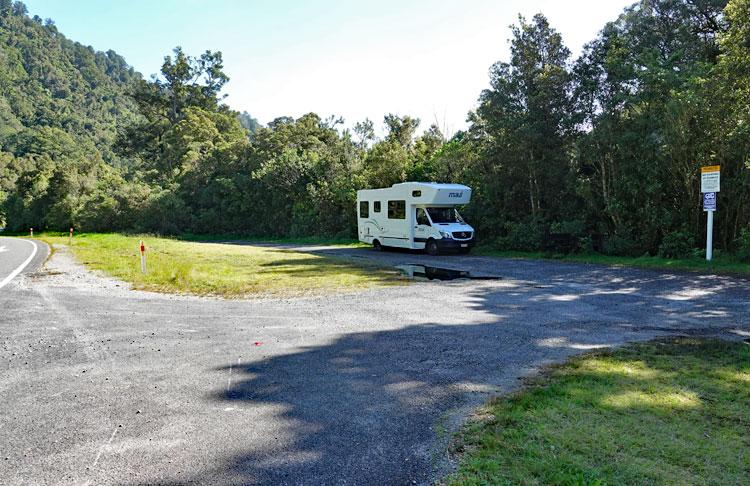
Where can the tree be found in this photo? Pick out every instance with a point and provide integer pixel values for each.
(528, 120)
(19, 9)
(365, 132)
(186, 83)
(401, 129)
(425, 148)
(308, 173)
(730, 120)
(249, 123)
(643, 87)
(6, 7)
(190, 81)
(387, 163)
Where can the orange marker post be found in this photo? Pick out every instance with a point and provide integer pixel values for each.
(143, 257)
(70, 237)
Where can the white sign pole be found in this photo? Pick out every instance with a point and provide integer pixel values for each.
(710, 183)
(710, 236)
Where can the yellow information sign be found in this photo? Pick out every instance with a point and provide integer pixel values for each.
(710, 178)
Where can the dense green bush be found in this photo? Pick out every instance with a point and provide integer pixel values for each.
(526, 236)
(567, 237)
(742, 245)
(678, 244)
(622, 245)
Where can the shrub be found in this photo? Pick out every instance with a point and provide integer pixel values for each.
(166, 214)
(587, 244)
(678, 244)
(621, 246)
(99, 213)
(742, 245)
(566, 237)
(526, 236)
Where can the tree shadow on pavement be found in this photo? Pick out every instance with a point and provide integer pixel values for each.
(366, 409)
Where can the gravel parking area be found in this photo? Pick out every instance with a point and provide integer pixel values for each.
(104, 385)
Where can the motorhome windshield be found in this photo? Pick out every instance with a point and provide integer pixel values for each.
(444, 215)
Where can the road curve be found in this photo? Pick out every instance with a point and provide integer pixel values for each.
(18, 255)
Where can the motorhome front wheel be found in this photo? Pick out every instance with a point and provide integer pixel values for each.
(432, 247)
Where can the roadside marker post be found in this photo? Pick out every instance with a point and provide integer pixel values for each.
(70, 237)
(31, 232)
(710, 185)
(143, 257)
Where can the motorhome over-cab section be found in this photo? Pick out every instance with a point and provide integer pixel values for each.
(415, 215)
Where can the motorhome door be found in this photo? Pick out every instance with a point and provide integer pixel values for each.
(421, 226)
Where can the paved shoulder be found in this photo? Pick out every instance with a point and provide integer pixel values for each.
(18, 255)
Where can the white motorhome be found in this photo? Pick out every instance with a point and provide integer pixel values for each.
(416, 215)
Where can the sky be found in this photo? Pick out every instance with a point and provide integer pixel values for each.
(355, 59)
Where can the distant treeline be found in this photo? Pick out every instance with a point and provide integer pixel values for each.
(603, 150)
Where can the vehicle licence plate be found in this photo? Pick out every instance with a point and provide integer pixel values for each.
(464, 245)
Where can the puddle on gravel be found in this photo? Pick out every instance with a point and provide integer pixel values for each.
(425, 272)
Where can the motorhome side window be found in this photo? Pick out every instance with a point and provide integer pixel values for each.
(376, 206)
(364, 209)
(396, 209)
(422, 217)
(416, 193)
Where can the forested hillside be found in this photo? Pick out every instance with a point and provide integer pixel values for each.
(61, 106)
(604, 149)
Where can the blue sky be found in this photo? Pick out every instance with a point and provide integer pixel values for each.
(354, 59)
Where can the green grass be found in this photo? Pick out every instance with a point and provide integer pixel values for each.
(665, 412)
(219, 269)
(300, 240)
(721, 263)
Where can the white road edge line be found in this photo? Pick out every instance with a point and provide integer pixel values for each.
(18, 270)
(99, 454)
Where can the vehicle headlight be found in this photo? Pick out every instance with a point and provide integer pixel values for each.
(445, 235)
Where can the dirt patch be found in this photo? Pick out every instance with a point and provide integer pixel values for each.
(62, 270)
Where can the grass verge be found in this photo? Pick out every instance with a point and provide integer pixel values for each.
(664, 412)
(219, 269)
(301, 240)
(719, 264)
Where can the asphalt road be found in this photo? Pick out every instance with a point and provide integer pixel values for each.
(102, 385)
(16, 255)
